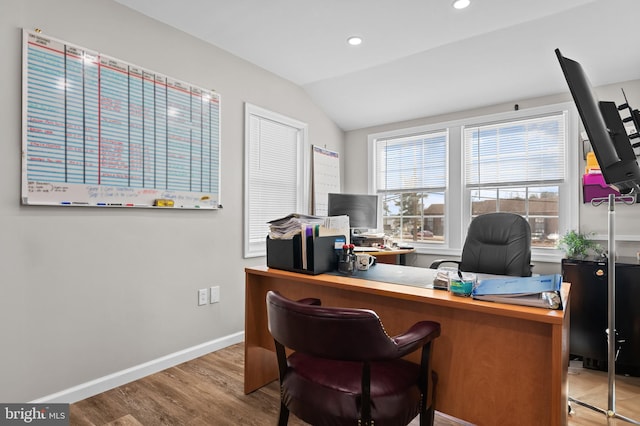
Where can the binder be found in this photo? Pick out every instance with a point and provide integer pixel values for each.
(542, 291)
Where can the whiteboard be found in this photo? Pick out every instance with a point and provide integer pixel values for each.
(98, 131)
(326, 178)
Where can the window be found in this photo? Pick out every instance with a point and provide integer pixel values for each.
(518, 166)
(411, 175)
(434, 179)
(275, 176)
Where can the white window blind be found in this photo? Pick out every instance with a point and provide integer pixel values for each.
(413, 162)
(527, 151)
(274, 173)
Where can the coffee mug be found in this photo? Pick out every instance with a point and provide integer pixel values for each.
(365, 261)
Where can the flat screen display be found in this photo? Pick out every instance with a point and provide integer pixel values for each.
(605, 129)
(362, 209)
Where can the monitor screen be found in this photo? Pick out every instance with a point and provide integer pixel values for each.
(604, 128)
(362, 209)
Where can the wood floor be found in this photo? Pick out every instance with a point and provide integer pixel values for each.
(591, 387)
(209, 391)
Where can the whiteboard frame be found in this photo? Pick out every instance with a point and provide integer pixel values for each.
(105, 195)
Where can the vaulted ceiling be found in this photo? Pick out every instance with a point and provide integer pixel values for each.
(419, 57)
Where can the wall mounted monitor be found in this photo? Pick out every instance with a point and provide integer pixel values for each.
(605, 130)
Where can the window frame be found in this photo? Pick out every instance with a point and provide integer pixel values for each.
(302, 181)
(424, 132)
(458, 202)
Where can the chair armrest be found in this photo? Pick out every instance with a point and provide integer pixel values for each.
(436, 263)
(417, 336)
(310, 301)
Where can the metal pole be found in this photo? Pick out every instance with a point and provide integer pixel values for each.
(611, 330)
(611, 336)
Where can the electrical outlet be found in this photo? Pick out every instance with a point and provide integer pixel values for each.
(202, 296)
(215, 294)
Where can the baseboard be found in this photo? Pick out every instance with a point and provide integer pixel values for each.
(102, 384)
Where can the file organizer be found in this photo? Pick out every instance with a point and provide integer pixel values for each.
(287, 254)
(594, 186)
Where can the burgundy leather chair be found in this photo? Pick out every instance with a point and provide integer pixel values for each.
(345, 369)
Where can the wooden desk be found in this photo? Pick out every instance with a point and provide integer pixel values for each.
(395, 256)
(497, 363)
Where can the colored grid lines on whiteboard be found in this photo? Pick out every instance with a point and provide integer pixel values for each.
(95, 120)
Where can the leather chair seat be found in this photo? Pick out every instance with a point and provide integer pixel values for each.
(393, 390)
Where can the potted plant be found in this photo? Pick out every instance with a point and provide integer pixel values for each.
(577, 245)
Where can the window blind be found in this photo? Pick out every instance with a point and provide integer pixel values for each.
(528, 151)
(273, 180)
(411, 162)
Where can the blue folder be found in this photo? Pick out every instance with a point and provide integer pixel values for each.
(542, 291)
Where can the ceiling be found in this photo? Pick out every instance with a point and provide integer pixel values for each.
(419, 57)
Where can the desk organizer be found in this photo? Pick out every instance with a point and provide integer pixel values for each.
(287, 254)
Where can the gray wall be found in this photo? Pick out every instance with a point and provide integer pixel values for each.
(88, 292)
(592, 219)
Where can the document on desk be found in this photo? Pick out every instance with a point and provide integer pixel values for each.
(542, 291)
(336, 225)
(288, 226)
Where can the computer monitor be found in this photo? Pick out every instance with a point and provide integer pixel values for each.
(604, 128)
(362, 209)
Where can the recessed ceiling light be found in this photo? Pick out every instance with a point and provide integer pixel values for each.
(461, 4)
(354, 40)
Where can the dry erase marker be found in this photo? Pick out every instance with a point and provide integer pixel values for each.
(79, 203)
(66, 203)
(101, 204)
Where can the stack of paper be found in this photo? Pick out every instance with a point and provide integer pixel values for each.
(293, 224)
(541, 291)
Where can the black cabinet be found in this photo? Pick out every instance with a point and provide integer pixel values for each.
(589, 313)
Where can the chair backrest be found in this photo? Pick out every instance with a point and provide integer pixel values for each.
(338, 333)
(498, 243)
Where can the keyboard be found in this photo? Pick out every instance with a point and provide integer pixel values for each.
(357, 249)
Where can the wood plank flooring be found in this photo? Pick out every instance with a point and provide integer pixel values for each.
(591, 387)
(209, 391)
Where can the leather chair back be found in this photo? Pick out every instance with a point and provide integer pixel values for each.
(498, 243)
(314, 330)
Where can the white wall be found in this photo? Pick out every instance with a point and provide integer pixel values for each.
(592, 219)
(88, 292)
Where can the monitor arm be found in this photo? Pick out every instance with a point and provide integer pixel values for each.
(634, 116)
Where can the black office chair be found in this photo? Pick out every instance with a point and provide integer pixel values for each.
(497, 243)
(346, 370)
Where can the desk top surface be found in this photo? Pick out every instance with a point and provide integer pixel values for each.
(396, 274)
(414, 283)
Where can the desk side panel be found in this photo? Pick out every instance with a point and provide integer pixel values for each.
(260, 366)
(491, 368)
